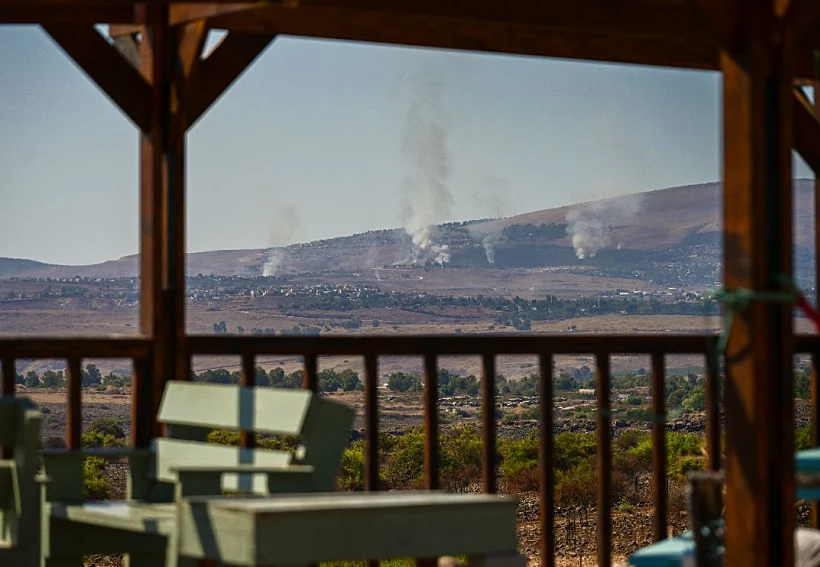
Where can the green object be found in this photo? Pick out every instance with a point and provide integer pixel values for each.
(301, 529)
(182, 464)
(19, 493)
(739, 299)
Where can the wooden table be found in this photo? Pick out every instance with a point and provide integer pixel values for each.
(301, 529)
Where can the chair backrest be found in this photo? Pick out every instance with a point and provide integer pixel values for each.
(191, 410)
(19, 495)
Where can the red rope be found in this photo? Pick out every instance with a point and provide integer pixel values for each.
(808, 310)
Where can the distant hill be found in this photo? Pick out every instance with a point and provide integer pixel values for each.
(16, 267)
(663, 225)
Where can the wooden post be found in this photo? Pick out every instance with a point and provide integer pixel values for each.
(161, 179)
(757, 120)
(171, 57)
(815, 356)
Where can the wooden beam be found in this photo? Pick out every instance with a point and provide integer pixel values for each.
(723, 20)
(806, 130)
(130, 51)
(186, 13)
(671, 19)
(469, 34)
(22, 15)
(125, 30)
(190, 42)
(222, 67)
(120, 81)
(758, 111)
(803, 18)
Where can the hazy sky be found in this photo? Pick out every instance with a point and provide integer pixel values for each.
(309, 144)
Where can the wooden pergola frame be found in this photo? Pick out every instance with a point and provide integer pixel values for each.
(153, 71)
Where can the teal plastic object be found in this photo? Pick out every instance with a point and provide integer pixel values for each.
(665, 553)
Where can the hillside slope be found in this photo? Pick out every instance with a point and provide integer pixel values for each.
(662, 225)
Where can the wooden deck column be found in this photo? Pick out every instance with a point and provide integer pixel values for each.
(757, 130)
(184, 87)
(162, 188)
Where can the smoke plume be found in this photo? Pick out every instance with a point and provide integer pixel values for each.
(286, 223)
(591, 225)
(428, 200)
(490, 197)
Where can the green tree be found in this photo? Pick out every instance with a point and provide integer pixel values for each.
(262, 378)
(32, 380)
(91, 376)
(404, 382)
(276, 377)
(51, 379)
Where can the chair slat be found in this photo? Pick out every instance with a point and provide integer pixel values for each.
(221, 406)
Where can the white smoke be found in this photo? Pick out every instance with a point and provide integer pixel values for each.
(591, 225)
(286, 223)
(491, 199)
(488, 243)
(428, 200)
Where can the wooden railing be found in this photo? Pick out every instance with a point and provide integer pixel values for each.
(139, 350)
(73, 351)
(430, 348)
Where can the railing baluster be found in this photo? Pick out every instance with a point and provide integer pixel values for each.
(659, 445)
(371, 417)
(248, 379)
(141, 403)
(9, 370)
(489, 476)
(546, 463)
(310, 381)
(604, 464)
(371, 428)
(9, 375)
(74, 418)
(712, 412)
(431, 456)
(185, 367)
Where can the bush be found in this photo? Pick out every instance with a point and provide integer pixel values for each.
(95, 485)
(351, 475)
(107, 426)
(271, 442)
(97, 439)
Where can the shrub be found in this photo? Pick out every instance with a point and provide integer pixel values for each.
(576, 486)
(461, 458)
(404, 465)
(107, 426)
(802, 439)
(351, 475)
(271, 442)
(95, 485)
(98, 439)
